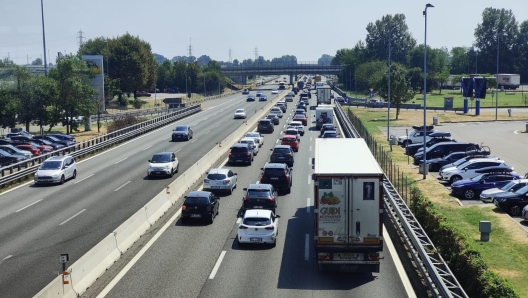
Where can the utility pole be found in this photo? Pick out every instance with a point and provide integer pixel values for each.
(230, 61)
(256, 54)
(190, 51)
(43, 38)
(80, 37)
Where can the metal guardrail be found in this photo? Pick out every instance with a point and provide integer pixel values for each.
(29, 167)
(434, 270)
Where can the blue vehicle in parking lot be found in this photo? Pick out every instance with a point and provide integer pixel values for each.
(489, 178)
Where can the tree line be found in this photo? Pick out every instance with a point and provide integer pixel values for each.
(365, 65)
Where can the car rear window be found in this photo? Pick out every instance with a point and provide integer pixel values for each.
(257, 221)
(197, 200)
(289, 139)
(265, 122)
(291, 132)
(239, 149)
(216, 176)
(258, 193)
(181, 128)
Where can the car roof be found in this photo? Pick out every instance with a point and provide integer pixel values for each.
(265, 120)
(296, 123)
(440, 134)
(218, 171)
(199, 194)
(247, 140)
(274, 165)
(57, 158)
(260, 186)
(289, 136)
(282, 146)
(257, 213)
(495, 169)
(240, 145)
(164, 153)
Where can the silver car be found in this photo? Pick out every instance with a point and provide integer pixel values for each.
(252, 144)
(298, 125)
(488, 195)
(15, 151)
(256, 136)
(220, 180)
(56, 169)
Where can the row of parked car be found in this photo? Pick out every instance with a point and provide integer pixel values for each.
(21, 145)
(469, 168)
(259, 223)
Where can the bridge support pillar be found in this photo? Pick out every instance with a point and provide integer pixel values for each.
(291, 78)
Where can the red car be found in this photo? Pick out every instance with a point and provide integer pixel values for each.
(300, 117)
(42, 148)
(290, 140)
(34, 150)
(142, 93)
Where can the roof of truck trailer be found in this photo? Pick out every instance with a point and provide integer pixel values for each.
(344, 156)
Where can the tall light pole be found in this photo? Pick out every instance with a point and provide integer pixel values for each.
(497, 80)
(44, 38)
(425, 93)
(389, 91)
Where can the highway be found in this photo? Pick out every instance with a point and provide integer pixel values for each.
(202, 260)
(40, 223)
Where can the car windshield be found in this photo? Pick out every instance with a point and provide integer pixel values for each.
(459, 162)
(252, 135)
(298, 116)
(509, 185)
(477, 178)
(257, 221)
(197, 201)
(281, 150)
(239, 111)
(159, 158)
(258, 193)
(51, 165)
(522, 190)
(181, 128)
(291, 132)
(216, 176)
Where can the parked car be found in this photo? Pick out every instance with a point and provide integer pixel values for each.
(291, 141)
(15, 151)
(471, 155)
(274, 118)
(56, 169)
(4, 141)
(416, 136)
(53, 140)
(27, 147)
(488, 195)
(163, 164)
(259, 139)
(252, 145)
(442, 149)
(8, 159)
(260, 196)
(201, 205)
(301, 118)
(524, 213)
(240, 114)
(436, 163)
(258, 226)
(220, 180)
(265, 125)
(18, 139)
(182, 132)
(250, 97)
(240, 153)
(70, 140)
(277, 174)
(468, 169)
(143, 93)
(434, 138)
(513, 202)
(282, 154)
(43, 148)
(471, 188)
(43, 142)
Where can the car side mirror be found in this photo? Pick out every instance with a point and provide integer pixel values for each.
(149, 160)
(235, 174)
(244, 189)
(277, 216)
(280, 139)
(271, 149)
(482, 181)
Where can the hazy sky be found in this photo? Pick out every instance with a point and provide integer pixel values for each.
(306, 29)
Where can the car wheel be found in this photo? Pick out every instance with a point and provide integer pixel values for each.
(211, 220)
(455, 179)
(250, 162)
(171, 173)
(230, 191)
(177, 168)
(274, 243)
(74, 174)
(62, 179)
(515, 210)
(288, 190)
(469, 193)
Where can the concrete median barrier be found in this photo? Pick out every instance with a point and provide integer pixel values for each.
(130, 231)
(156, 207)
(55, 289)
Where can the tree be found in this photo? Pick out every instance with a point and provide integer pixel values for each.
(159, 58)
(441, 78)
(522, 41)
(37, 61)
(164, 75)
(401, 90)
(459, 60)
(8, 105)
(24, 95)
(45, 94)
(324, 60)
(203, 60)
(391, 29)
(367, 75)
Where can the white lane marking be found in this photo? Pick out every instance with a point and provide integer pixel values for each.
(121, 186)
(132, 262)
(307, 247)
(8, 257)
(308, 205)
(28, 206)
(217, 265)
(208, 132)
(146, 147)
(166, 139)
(399, 266)
(309, 179)
(194, 140)
(310, 139)
(84, 178)
(178, 150)
(310, 147)
(309, 160)
(72, 217)
(121, 160)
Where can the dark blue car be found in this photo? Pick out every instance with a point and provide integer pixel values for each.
(471, 188)
(513, 202)
(64, 137)
(436, 163)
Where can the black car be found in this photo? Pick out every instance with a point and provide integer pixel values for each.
(282, 154)
(70, 140)
(277, 174)
(21, 139)
(250, 97)
(470, 155)
(241, 153)
(436, 163)
(7, 159)
(201, 205)
(436, 137)
(513, 202)
(301, 105)
(327, 127)
(281, 106)
(182, 132)
(52, 140)
(273, 118)
(265, 125)
(442, 149)
(260, 196)
(6, 142)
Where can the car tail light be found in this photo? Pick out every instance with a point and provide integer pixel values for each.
(290, 155)
(230, 154)
(286, 175)
(373, 256)
(271, 199)
(206, 180)
(244, 198)
(184, 207)
(226, 181)
(269, 228)
(323, 256)
(209, 208)
(242, 227)
(248, 154)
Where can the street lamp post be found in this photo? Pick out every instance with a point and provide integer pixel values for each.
(44, 38)
(425, 93)
(389, 91)
(497, 79)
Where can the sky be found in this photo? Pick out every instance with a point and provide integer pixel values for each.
(307, 29)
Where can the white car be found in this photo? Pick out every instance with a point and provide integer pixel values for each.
(259, 139)
(276, 110)
(56, 169)
(467, 169)
(240, 113)
(252, 144)
(488, 195)
(220, 180)
(298, 125)
(163, 164)
(274, 91)
(258, 226)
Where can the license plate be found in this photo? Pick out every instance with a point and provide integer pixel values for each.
(274, 178)
(346, 256)
(196, 215)
(239, 160)
(255, 239)
(157, 172)
(258, 207)
(215, 187)
(281, 157)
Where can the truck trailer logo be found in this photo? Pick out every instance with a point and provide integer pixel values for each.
(329, 199)
(330, 213)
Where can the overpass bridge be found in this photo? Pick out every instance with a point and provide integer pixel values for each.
(280, 69)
